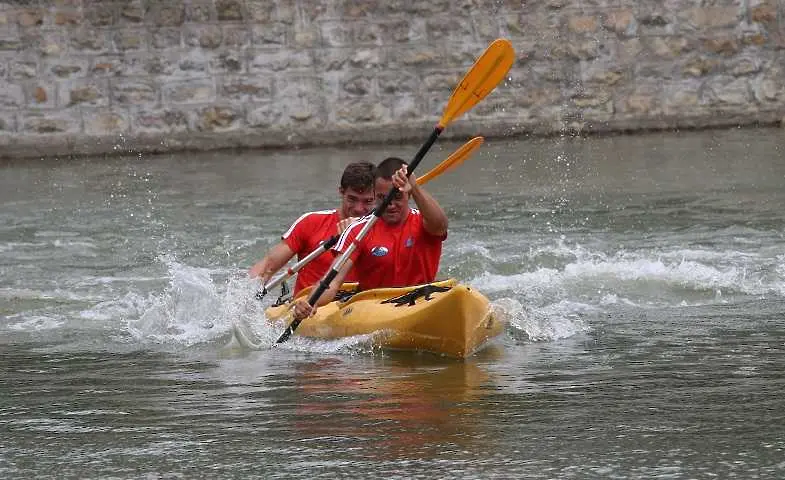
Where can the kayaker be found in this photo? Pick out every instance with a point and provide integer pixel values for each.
(313, 228)
(402, 249)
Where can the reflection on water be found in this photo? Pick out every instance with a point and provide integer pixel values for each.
(398, 411)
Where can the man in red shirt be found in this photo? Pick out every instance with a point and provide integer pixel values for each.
(402, 249)
(313, 228)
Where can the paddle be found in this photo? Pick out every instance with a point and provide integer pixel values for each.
(479, 81)
(457, 158)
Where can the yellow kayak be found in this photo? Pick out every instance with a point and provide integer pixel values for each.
(442, 317)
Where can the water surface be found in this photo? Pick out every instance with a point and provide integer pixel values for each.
(644, 276)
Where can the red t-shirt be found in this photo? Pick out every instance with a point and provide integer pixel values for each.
(393, 255)
(307, 233)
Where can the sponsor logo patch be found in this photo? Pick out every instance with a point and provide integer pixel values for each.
(379, 251)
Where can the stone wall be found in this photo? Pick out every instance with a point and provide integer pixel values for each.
(97, 76)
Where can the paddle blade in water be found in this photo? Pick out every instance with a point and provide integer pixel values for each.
(485, 74)
(457, 158)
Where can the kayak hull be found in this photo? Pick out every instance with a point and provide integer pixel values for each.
(441, 317)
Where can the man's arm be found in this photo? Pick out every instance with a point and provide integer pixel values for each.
(302, 309)
(434, 219)
(272, 262)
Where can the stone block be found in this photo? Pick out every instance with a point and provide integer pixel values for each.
(204, 36)
(70, 18)
(487, 28)
(235, 35)
(159, 120)
(727, 46)
(359, 8)
(165, 13)
(708, 18)
(366, 58)
(403, 30)
(215, 119)
(681, 97)
(129, 39)
(302, 113)
(356, 85)
(226, 62)
(136, 64)
(442, 82)
(698, 66)
(367, 33)
(267, 60)
(360, 111)
(7, 122)
(40, 94)
(765, 13)
(405, 107)
(770, 89)
(622, 22)
(448, 28)
(49, 43)
(415, 56)
(11, 95)
(23, 67)
(396, 82)
(90, 40)
(336, 33)
(10, 40)
(48, 122)
(289, 87)
(100, 14)
(83, 92)
(746, 65)
(191, 91)
(131, 12)
(194, 63)
(134, 92)
(655, 19)
(230, 10)
(269, 34)
(303, 37)
(417, 9)
(30, 17)
(105, 121)
(265, 115)
(246, 89)
(164, 38)
(719, 91)
(200, 11)
(261, 11)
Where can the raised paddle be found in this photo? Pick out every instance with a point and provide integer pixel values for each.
(457, 158)
(479, 81)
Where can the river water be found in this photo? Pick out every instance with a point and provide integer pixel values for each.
(644, 277)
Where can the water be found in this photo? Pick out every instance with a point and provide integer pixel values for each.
(644, 277)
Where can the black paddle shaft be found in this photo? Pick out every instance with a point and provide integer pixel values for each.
(324, 284)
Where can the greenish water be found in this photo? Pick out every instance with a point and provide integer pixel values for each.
(645, 277)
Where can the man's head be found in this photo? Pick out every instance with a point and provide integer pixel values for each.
(398, 209)
(356, 189)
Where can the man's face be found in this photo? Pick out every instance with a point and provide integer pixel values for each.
(355, 203)
(399, 207)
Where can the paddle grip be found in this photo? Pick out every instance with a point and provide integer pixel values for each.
(323, 285)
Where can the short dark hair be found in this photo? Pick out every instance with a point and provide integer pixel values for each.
(388, 167)
(358, 176)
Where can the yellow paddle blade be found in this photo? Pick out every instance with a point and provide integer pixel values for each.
(457, 158)
(485, 74)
